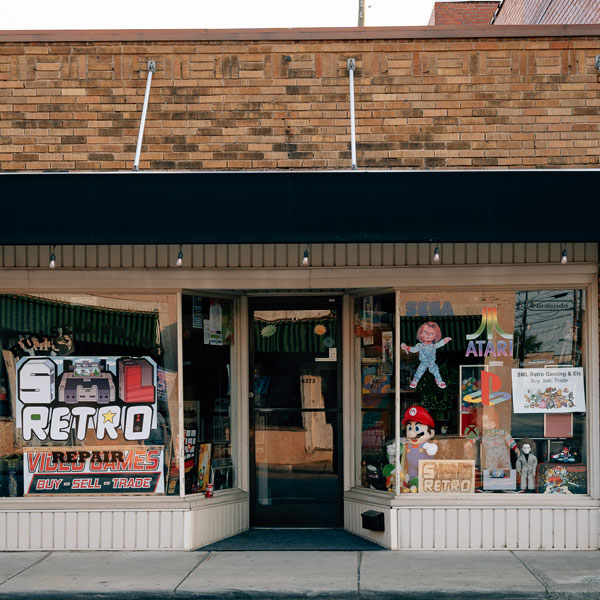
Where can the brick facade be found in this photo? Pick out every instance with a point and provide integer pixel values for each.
(546, 12)
(463, 13)
(469, 102)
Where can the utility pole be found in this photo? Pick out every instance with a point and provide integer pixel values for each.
(361, 13)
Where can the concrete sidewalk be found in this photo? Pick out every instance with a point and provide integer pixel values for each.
(270, 575)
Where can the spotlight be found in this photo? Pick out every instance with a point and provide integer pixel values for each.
(305, 257)
(179, 261)
(436, 254)
(563, 258)
(52, 263)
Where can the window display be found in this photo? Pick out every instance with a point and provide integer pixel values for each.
(89, 394)
(207, 344)
(375, 330)
(490, 379)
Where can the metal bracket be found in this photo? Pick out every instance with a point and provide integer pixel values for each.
(351, 64)
(598, 63)
(152, 66)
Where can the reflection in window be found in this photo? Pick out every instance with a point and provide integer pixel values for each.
(88, 394)
(207, 346)
(374, 329)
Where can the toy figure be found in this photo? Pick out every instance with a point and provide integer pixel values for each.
(430, 339)
(526, 466)
(563, 456)
(495, 441)
(419, 433)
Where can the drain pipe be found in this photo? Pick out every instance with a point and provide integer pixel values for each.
(151, 70)
(351, 67)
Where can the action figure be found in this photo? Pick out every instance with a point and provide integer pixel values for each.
(526, 466)
(419, 433)
(430, 339)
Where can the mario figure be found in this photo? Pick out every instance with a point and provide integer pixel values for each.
(419, 433)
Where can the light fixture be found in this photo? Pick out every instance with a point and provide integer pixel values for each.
(52, 263)
(563, 258)
(179, 261)
(436, 255)
(305, 257)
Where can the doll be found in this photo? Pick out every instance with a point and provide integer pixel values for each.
(526, 466)
(495, 441)
(430, 339)
(419, 433)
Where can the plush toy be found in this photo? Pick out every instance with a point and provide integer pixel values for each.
(526, 466)
(430, 339)
(496, 442)
(419, 446)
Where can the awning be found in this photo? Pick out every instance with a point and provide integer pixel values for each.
(307, 335)
(300, 207)
(35, 316)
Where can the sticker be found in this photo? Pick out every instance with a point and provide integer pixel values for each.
(328, 342)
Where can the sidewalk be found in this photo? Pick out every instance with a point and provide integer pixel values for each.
(282, 575)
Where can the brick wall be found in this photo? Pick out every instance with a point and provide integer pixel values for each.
(420, 103)
(545, 12)
(463, 13)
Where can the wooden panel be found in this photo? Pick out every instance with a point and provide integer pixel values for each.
(512, 526)
(166, 531)
(439, 524)
(404, 528)
(416, 535)
(476, 528)
(559, 528)
(12, 530)
(70, 530)
(535, 529)
(95, 530)
(571, 529)
(35, 531)
(59, 539)
(129, 530)
(48, 538)
(451, 528)
(547, 529)
(118, 530)
(141, 529)
(106, 537)
(154, 529)
(487, 528)
(83, 530)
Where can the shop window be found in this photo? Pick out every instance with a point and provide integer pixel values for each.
(88, 395)
(491, 392)
(375, 332)
(207, 360)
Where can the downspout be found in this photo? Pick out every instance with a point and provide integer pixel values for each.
(151, 70)
(351, 67)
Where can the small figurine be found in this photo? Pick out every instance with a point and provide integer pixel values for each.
(419, 433)
(430, 339)
(495, 442)
(364, 480)
(526, 466)
(563, 456)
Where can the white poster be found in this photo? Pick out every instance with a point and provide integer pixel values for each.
(554, 390)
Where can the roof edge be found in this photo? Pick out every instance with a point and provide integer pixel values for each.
(297, 34)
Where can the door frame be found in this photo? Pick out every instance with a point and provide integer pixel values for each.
(306, 300)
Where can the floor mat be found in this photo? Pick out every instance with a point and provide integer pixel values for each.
(292, 539)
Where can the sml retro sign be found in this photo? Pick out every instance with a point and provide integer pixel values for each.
(109, 396)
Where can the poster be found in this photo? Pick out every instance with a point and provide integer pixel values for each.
(446, 476)
(562, 479)
(553, 390)
(93, 470)
(197, 318)
(81, 397)
(203, 466)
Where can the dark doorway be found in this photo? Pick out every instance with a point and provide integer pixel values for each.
(295, 412)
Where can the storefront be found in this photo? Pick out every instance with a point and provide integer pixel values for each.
(422, 382)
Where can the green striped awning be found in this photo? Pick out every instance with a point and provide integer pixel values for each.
(28, 315)
(293, 336)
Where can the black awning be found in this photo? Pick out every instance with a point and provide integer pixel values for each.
(300, 207)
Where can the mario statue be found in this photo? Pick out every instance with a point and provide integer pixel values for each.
(419, 433)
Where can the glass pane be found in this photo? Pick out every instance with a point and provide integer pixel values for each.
(375, 330)
(297, 479)
(88, 394)
(496, 379)
(207, 339)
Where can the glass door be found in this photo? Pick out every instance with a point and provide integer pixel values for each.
(295, 412)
